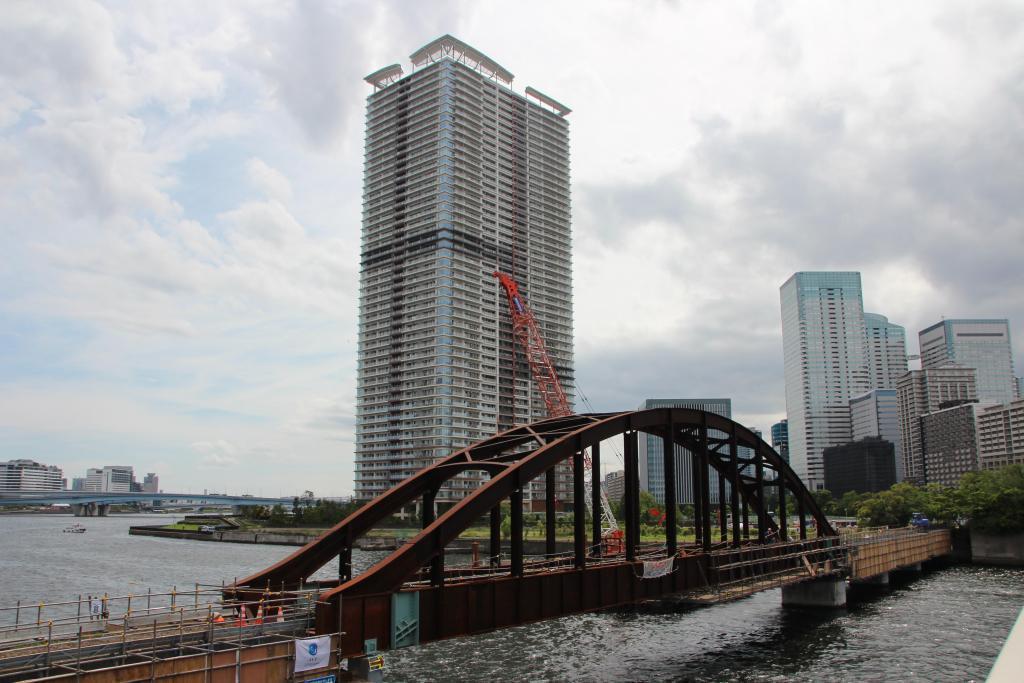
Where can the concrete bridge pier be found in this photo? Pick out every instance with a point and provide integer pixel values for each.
(90, 509)
(826, 591)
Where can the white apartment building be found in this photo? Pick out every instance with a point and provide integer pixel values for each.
(1001, 435)
(110, 479)
(29, 475)
(463, 176)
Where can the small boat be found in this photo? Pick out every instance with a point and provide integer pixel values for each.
(74, 529)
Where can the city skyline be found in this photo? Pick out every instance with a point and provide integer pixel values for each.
(181, 196)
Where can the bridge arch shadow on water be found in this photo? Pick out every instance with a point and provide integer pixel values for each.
(411, 596)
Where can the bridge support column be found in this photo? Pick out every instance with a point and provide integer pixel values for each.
(762, 512)
(102, 509)
(549, 512)
(783, 519)
(631, 493)
(579, 512)
(698, 505)
(668, 456)
(734, 488)
(723, 516)
(828, 591)
(495, 545)
(595, 499)
(517, 528)
(79, 509)
(705, 486)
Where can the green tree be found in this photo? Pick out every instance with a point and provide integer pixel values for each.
(891, 508)
(825, 501)
(993, 500)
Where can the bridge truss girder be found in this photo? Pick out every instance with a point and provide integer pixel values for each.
(519, 455)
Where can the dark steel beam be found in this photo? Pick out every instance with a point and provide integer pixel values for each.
(495, 544)
(734, 488)
(595, 499)
(579, 511)
(698, 505)
(549, 512)
(803, 519)
(783, 522)
(517, 528)
(668, 456)
(629, 495)
(723, 521)
(762, 513)
(345, 560)
(705, 486)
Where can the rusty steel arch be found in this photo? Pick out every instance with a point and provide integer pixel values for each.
(488, 455)
(519, 455)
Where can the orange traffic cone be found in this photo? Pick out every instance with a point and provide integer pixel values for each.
(241, 615)
(280, 613)
(259, 613)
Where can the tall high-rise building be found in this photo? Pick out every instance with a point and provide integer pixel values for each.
(886, 349)
(151, 483)
(29, 475)
(876, 415)
(463, 176)
(780, 438)
(921, 392)
(982, 344)
(651, 463)
(826, 364)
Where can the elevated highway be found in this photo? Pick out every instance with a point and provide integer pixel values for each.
(97, 503)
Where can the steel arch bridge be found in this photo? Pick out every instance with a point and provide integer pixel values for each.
(410, 596)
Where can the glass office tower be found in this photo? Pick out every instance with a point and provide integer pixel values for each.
(826, 364)
(980, 344)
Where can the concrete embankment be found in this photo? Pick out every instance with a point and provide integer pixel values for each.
(1005, 550)
(226, 536)
(530, 547)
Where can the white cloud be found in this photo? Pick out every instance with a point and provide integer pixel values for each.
(180, 199)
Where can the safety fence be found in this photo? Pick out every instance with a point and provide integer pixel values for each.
(93, 632)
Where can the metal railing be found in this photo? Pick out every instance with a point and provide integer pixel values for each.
(104, 628)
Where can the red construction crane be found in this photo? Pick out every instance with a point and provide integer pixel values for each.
(527, 333)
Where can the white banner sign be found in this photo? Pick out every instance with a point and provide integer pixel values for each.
(654, 569)
(312, 653)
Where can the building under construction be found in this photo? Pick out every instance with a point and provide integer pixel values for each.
(463, 177)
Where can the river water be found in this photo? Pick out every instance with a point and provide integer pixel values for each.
(946, 625)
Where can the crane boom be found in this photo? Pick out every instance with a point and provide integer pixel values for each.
(527, 333)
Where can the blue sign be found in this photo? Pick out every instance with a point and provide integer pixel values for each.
(329, 678)
(312, 649)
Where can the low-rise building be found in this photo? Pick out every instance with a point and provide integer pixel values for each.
(1001, 435)
(29, 475)
(865, 466)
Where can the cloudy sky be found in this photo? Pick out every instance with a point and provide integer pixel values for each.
(180, 204)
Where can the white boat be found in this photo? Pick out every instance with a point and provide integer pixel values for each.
(74, 529)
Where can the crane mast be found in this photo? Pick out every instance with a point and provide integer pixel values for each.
(527, 333)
